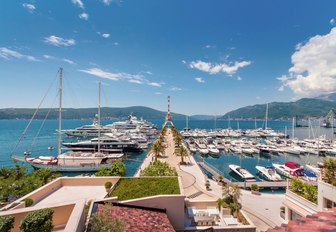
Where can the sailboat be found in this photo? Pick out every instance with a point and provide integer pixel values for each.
(72, 161)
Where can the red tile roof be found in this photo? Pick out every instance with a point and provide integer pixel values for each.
(322, 221)
(139, 218)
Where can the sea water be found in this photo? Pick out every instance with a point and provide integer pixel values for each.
(43, 134)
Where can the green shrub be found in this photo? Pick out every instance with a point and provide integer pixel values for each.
(118, 168)
(254, 187)
(28, 202)
(40, 220)
(6, 223)
(159, 168)
(108, 184)
(132, 188)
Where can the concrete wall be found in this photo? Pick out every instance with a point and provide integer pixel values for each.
(201, 204)
(60, 217)
(325, 190)
(80, 181)
(174, 204)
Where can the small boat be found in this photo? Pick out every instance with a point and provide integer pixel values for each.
(309, 176)
(289, 169)
(269, 173)
(314, 169)
(213, 149)
(242, 172)
(27, 152)
(51, 148)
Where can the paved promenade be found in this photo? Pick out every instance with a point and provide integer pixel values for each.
(265, 208)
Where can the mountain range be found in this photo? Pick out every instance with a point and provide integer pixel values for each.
(87, 113)
(304, 107)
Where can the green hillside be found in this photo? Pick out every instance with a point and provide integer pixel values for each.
(87, 113)
(305, 107)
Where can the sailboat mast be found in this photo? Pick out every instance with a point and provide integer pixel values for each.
(293, 126)
(187, 121)
(99, 116)
(266, 118)
(60, 113)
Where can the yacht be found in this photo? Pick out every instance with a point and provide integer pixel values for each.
(213, 150)
(92, 130)
(72, 161)
(289, 169)
(219, 144)
(269, 173)
(202, 147)
(242, 172)
(107, 144)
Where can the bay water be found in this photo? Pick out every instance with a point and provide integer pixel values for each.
(43, 134)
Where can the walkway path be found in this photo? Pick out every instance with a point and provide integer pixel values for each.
(264, 207)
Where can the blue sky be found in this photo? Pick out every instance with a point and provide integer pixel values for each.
(209, 56)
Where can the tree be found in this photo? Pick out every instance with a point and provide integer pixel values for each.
(221, 203)
(183, 153)
(45, 175)
(329, 170)
(156, 149)
(232, 193)
(118, 168)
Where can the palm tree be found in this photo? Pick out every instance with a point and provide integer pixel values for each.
(183, 152)
(156, 149)
(233, 192)
(220, 203)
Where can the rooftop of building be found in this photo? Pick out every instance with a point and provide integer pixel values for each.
(137, 218)
(321, 221)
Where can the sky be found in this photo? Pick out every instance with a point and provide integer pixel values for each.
(210, 57)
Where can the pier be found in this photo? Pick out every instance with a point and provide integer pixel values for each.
(247, 184)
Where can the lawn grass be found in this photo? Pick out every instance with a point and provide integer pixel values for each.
(132, 188)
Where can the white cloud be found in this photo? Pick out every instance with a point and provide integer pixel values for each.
(184, 62)
(149, 72)
(199, 80)
(69, 61)
(155, 84)
(239, 78)
(30, 7)
(217, 68)
(209, 46)
(105, 35)
(78, 3)
(132, 78)
(257, 97)
(107, 2)
(175, 89)
(103, 74)
(115, 43)
(58, 41)
(8, 54)
(157, 93)
(49, 57)
(84, 16)
(332, 21)
(313, 70)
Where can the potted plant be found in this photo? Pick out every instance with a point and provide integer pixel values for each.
(207, 185)
(255, 189)
(108, 186)
(28, 202)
